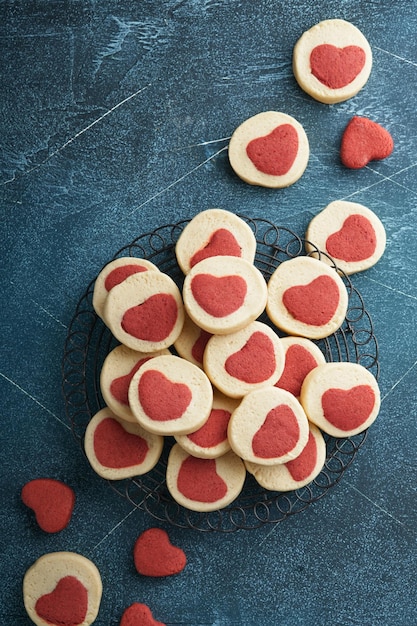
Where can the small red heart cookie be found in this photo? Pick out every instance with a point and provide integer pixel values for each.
(62, 589)
(342, 399)
(138, 614)
(301, 356)
(306, 297)
(270, 149)
(268, 427)
(113, 274)
(363, 141)
(118, 449)
(214, 232)
(52, 502)
(223, 294)
(204, 484)
(350, 233)
(332, 61)
(154, 554)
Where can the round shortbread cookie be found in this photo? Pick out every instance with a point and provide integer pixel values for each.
(332, 61)
(204, 484)
(210, 441)
(214, 232)
(270, 149)
(248, 359)
(113, 274)
(306, 297)
(192, 342)
(118, 449)
(62, 589)
(118, 369)
(170, 396)
(301, 356)
(342, 399)
(350, 233)
(145, 312)
(296, 473)
(223, 294)
(268, 427)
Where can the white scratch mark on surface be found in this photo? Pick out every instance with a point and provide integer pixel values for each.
(410, 369)
(28, 395)
(383, 179)
(202, 143)
(112, 530)
(396, 56)
(376, 505)
(401, 293)
(39, 306)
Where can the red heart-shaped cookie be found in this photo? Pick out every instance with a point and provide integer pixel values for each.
(302, 466)
(363, 141)
(198, 480)
(314, 303)
(355, 241)
(219, 296)
(222, 242)
(255, 362)
(153, 320)
(336, 67)
(348, 409)
(214, 431)
(161, 398)
(119, 387)
(138, 614)
(52, 502)
(298, 363)
(274, 154)
(155, 555)
(119, 274)
(115, 447)
(66, 605)
(278, 435)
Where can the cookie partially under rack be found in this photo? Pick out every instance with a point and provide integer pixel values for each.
(89, 341)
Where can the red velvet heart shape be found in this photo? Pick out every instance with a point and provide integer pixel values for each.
(298, 363)
(155, 555)
(115, 447)
(161, 398)
(153, 320)
(66, 605)
(336, 67)
(214, 431)
(119, 387)
(219, 296)
(302, 466)
(348, 409)
(52, 502)
(254, 362)
(355, 241)
(119, 274)
(197, 351)
(278, 435)
(138, 614)
(222, 242)
(314, 303)
(363, 141)
(198, 480)
(274, 154)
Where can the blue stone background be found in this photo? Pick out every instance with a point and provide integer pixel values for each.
(115, 119)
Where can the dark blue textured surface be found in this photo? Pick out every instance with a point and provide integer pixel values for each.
(115, 118)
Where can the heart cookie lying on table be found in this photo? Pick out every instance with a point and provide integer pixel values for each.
(155, 555)
(138, 614)
(363, 141)
(52, 502)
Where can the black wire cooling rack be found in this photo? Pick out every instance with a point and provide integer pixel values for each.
(89, 341)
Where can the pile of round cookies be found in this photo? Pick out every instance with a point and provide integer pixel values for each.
(236, 394)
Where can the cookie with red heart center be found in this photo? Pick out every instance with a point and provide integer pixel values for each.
(306, 297)
(139, 614)
(301, 356)
(270, 149)
(214, 232)
(240, 362)
(145, 312)
(350, 233)
(296, 473)
(118, 449)
(62, 589)
(364, 140)
(119, 367)
(155, 555)
(113, 274)
(332, 61)
(52, 502)
(204, 484)
(268, 427)
(223, 294)
(170, 396)
(342, 399)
